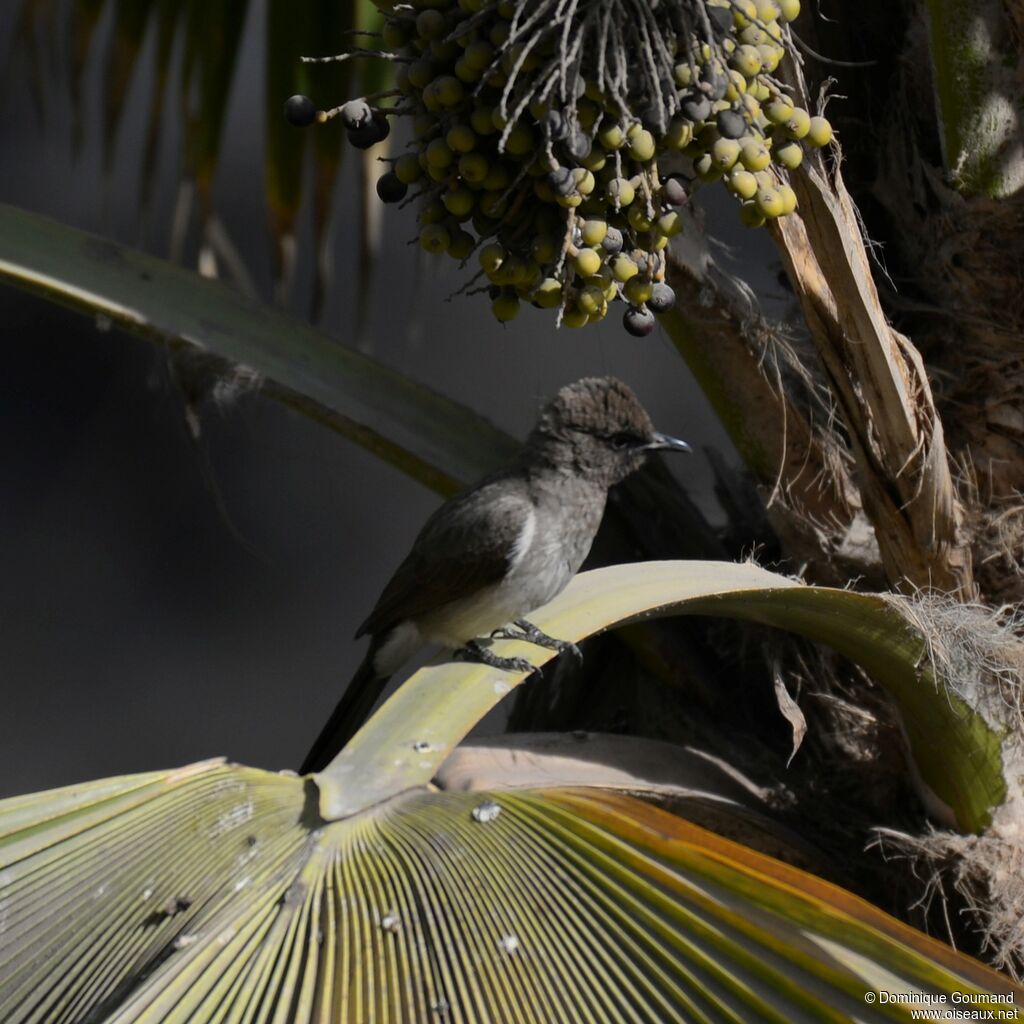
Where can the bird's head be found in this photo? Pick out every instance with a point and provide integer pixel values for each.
(597, 427)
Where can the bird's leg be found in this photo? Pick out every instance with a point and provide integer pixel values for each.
(532, 635)
(476, 652)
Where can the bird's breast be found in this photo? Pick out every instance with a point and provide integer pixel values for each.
(548, 552)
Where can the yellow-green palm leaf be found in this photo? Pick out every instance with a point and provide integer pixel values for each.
(216, 894)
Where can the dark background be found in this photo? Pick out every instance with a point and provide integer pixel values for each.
(142, 625)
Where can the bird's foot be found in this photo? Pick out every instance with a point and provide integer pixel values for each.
(531, 634)
(476, 652)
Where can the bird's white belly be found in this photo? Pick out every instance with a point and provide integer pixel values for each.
(541, 567)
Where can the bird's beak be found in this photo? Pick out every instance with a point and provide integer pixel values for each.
(662, 442)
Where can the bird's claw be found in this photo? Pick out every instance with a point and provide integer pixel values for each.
(483, 656)
(569, 647)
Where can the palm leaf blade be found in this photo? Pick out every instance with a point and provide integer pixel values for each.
(234, 903)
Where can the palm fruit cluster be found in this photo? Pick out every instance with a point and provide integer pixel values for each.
(554, 143)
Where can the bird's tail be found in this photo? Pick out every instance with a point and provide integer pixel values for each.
(352, 710)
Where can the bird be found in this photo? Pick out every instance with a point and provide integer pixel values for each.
(493, 554)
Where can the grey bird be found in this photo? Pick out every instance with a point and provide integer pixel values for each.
(498, 551)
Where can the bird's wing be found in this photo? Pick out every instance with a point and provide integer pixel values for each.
(466, 545)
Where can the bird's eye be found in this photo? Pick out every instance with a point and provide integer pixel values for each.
(621, 441)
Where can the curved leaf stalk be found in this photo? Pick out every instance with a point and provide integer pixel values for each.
(435, 440)
(417, 728)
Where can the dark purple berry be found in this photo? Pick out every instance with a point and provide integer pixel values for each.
(390, 188)
(674, 192)
(555, 126)
(562, 181)
(299, 111)
(577, 145)
(695, 107)
(714, 86)
(662, 298)
(356, 114)
(376, 131)
(721, 17)
(612, 243)
(731, 125)
(639, 321)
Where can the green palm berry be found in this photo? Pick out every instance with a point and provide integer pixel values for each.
(590, 299)
(585, 181)
(587, 262)
(751, 215)
(421, 72)
(395, 34)
(458, 201)
(499, 177)
(545, 248)
(682, 74)
(479, 54)
(543, 191)
(641, 145)
(746, 60)
(819, 132)
(473, 168)
(638, 218)
(742, 183)
(491, 257)
(424, 126)
(679, 134)
(465, 73)
(788, 199)
(481, 120)
(771, 56)
(439, 154)
(754, 154)
(499, 34)
(789, 155)
(433, 213)
(623, 268)
(725, 153)
(669, 224)
(430, 24)
(620, 192)
(548, 293)
(461, 138)
(505, 308)
(779, 110)
(461, 245)
(705, 169)
(435, 238)
(611, 136)
(450, 91)
(789, 9)
(799, 124)
(574, 317)
(408, 169)
(637, 290)
(769, 202)
(520, 141)
(593, 232)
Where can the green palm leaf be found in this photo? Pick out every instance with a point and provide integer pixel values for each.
(437, 441)
(215, 893)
